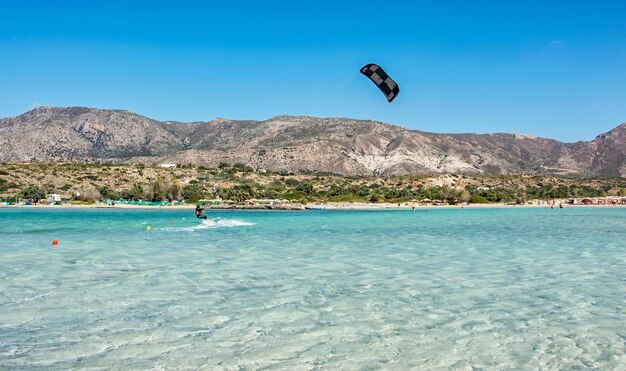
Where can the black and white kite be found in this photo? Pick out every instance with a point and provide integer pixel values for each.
(382, 80)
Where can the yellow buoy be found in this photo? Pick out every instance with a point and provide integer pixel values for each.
(148, 228)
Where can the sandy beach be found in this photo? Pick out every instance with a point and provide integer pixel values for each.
(327, 206)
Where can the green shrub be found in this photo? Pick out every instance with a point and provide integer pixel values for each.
(192, 192)
(134, 193)
(477, 199)
(239, 166)
(269, 194)
(306, 188)
(33, 192)
(107, 193)
(237, 193)
(3, 186)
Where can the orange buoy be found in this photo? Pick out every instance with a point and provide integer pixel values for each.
(171, 223)
(55, 242)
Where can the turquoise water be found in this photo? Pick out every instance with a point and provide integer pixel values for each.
(440, 289)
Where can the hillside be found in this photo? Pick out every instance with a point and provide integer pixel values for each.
(240, 182)
(296, 143)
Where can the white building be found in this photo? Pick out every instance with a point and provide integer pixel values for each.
(167, 165)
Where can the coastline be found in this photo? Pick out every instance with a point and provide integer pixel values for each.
(331, 206)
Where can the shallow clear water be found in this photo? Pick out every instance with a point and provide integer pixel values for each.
(439, 289)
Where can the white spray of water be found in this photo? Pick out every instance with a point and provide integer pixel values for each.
(213, 223)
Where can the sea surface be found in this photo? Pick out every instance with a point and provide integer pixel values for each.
(438, 289)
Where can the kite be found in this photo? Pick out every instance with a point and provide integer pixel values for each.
(382, 80)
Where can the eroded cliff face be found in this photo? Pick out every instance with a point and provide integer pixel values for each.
(343, 146)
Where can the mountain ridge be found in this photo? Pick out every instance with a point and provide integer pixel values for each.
(295, 143)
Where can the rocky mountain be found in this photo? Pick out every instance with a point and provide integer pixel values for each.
(337, 145)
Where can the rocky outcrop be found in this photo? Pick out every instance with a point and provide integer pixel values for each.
(337, 145)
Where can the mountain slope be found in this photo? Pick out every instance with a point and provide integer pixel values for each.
(335, 145)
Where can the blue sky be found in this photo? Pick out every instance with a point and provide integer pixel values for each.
(554, 69)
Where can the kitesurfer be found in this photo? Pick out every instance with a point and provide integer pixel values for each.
(199, 210)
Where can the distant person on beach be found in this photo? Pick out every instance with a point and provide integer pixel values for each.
(199, 210)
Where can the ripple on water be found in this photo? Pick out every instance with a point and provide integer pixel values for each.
(538, 289)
